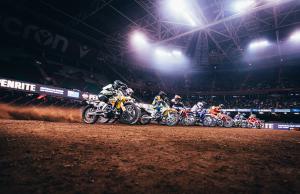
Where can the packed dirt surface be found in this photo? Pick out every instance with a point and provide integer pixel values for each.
(50, 113)
(49, 157)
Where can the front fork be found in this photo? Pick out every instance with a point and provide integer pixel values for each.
(122, 106)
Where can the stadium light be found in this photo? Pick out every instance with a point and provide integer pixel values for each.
(139, 40)
(177, 53)
(243, 5)
(189, 18)
(181, 8)
(275, 1)
(165, 53)
(178, 5)
(295, 36)
(259, 44)
(160, 52)
(169, 60)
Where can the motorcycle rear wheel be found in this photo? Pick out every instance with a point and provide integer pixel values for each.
(143, 119)
(220, 123)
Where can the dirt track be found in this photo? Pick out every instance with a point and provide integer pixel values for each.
(48, 157)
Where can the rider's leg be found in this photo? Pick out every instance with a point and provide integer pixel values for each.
(103, 102)
(156, 112)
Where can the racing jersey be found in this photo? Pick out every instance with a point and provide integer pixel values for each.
(237, 117)
(176, 104)
(214, 110)
(252, 119)
(158, 101)
(196, 108)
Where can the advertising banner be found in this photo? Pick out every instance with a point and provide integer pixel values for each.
(39, 89)
(282, 126)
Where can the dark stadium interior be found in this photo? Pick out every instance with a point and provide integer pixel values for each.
(247, 60)
(275, 74)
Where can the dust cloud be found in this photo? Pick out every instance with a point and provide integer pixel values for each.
(51, 113)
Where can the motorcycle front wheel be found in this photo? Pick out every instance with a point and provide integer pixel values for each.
(244, 124)
(189, 120)
(131, 115)
(228, 123)
(172, 119)
(209, 121)
(88, 115)
(220, 123)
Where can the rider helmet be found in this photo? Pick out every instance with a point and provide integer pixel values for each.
(200, 104)
(162, 94)
(118, 84)
(177, 98)
(129, 91)
(221, 106)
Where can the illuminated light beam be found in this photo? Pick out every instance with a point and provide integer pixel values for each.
(243, 5)
(139, 40)
(226, 19)
(177, 53)
(161, 52)
(190, 19)
(179, 7)
(165, 53)
(169, 61)
(295, 37)
(272, 0)
(259, 44)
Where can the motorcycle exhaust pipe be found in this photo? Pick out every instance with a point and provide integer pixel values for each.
(96, 114)
(147, 117)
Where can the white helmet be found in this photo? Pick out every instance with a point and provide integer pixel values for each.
(129, 91)
(200, 104)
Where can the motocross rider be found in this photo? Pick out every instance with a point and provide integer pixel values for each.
(252, 118)
(176, 102)
(238, 116)
(198, 109)
(109, 91)
(215, 110)
(160, 101)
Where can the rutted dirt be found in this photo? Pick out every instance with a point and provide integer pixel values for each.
(49, 157)
(55, 114)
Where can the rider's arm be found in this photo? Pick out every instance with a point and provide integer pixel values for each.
(107, 90)
(194, 108)
(156, 99)
(181, 104)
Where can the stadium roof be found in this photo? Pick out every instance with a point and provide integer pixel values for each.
(221, 38)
